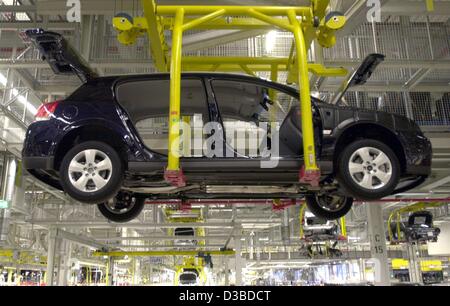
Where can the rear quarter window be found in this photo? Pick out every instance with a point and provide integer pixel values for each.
(93, 91)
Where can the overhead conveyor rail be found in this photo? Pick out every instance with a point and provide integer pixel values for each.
(306, 24)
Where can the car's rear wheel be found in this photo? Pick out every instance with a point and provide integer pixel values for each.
(368, 170)
(91, 172)
(122, 208)
(329, 206)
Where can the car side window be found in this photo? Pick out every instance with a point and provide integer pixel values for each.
(154, 132)
(147, 104)
(247, 111)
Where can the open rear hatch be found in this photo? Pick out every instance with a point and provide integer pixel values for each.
(61, 56)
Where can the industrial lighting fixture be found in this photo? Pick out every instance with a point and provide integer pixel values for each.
(31, 108)
(271, 39)
(19, 16)
(3, 79)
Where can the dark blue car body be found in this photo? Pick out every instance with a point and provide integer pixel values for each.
(92, 113)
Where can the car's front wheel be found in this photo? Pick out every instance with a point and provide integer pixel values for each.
(91, 172)
(329, 206)
(368, 170)
(122, 208)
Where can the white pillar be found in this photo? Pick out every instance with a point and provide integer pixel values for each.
(227, 269)
(362, 270)
(110, 271)
(415, 273)
(137, 272)
(7, 191)
(378, 249)
(238, 261)
(51, 256)
(64, 262)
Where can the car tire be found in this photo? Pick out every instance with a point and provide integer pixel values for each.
(91, 172)
(361, 176)
(125, 214)
(328, 207)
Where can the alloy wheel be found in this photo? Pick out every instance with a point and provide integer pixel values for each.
(370, 168)
(90, 170)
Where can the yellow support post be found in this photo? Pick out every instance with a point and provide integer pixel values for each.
(310, 173)
(343, 225)
(273, 93)
(173, 173)
(107, 273)
(398, 227)
(430, 5)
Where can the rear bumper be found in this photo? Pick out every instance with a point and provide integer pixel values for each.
(42, 169)
(38, 163)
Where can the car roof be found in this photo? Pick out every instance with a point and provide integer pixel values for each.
(212, 75)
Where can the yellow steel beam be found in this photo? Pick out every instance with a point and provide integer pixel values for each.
(6, 253)
(161, 253)
(158, 45)
(232, 63)
(196, 10)
(223, 23)
(234, 60)
(282, 24)
(247, 70)
(229, 67)
(320, 70)
(319, 7)
(198, 21)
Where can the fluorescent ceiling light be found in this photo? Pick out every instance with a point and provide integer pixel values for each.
(3, 79)
(271, 39)
(24, 101)
(30, 107)
(20, 16)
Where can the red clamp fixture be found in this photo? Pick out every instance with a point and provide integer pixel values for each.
(175, 177)
(311, 177)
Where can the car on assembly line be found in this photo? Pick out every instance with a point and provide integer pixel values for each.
(107, 143)
(318, 229)
(418, 229)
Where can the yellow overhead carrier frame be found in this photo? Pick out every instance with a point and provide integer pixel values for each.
(306, 23)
